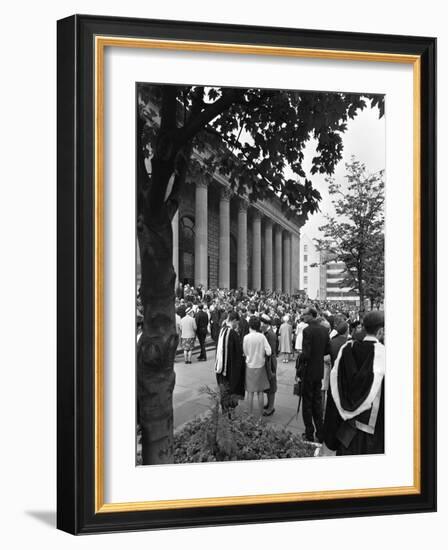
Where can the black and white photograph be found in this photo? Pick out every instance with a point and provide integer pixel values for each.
(260, 270)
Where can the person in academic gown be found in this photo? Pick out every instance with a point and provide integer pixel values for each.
(354, 419)
(215, 317)
(229, 364)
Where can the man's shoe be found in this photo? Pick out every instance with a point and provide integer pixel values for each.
(307, 438)
(270, 413)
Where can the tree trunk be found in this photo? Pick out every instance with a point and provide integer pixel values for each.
(158, 343)
(361, 291)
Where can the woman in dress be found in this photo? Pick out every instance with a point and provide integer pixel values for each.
(256, 348)
(285, 337)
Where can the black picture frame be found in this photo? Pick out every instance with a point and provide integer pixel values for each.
(76, 512)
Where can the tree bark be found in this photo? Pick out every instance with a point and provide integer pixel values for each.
(158, 343)
(360, 272)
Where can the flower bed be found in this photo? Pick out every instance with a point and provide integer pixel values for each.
(242, 437)
(216, 437)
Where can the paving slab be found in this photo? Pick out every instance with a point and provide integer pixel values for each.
(189, 403)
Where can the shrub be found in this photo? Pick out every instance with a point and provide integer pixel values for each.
(218, 437)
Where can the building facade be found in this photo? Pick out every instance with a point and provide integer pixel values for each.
(309, 267)
(220, 240)
(331, 277)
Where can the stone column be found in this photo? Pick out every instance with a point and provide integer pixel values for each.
(268, 283)
(287, 263)
(295, 263)
(175, 227)
(201, 234)
(242, 245)
(278, 258)
(224, 239)
(256, 251)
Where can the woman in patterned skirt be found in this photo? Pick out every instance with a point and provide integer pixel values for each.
(188, 334)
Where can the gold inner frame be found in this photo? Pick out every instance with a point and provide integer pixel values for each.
(101, 42)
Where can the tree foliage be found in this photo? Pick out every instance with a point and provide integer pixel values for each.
(355, 235)
(254, 137)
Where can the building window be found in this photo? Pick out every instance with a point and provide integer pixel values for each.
(305, 257)
(305, 280)
(305, 248)
(305, 269)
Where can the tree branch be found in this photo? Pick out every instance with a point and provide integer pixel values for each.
(207, 115)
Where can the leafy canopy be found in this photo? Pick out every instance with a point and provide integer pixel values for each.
(255, 137)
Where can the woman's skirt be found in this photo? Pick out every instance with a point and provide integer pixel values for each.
(187, 343)
(256, 380)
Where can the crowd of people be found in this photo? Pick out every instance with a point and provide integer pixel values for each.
(339, 359)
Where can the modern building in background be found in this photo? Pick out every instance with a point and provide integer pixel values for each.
(309, 267)
(331, 277)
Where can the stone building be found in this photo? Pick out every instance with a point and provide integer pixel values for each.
(222, 241)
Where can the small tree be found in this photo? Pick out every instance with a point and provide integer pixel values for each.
(355, 235)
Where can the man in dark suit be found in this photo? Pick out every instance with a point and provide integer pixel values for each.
(338, 341)
(316, 344)
(266, 329)
(201, 331)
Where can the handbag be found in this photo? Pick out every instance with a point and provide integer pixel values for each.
(297, 388)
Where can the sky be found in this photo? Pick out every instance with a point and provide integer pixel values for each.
(365, 138)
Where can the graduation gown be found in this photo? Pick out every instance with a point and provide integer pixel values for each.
(354, 417)
(233, 371)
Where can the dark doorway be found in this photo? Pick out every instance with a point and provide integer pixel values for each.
(233, 262)
(186, 256)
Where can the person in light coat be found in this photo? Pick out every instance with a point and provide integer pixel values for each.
(285, 339)
(188, 334)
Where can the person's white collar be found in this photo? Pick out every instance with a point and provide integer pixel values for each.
(370, 338)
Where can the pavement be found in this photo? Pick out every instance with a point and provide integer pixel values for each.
(189, 403)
